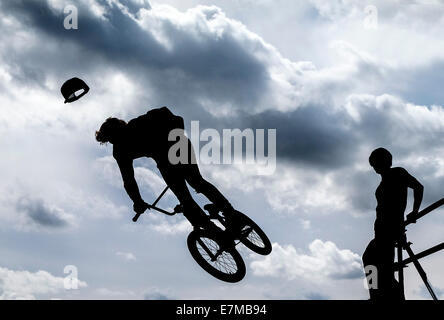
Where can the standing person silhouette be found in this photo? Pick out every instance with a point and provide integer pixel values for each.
(148, 136)
(391, 196)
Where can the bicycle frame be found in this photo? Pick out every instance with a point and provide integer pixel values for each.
(153, 206)
(225, 241)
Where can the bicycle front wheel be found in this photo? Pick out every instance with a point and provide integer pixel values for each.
(223, 263)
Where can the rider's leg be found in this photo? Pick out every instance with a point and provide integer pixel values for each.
(177, 184)
(198, 183)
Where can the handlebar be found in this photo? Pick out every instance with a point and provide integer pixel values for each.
(157, 209)
(153, 206)
(137, 216)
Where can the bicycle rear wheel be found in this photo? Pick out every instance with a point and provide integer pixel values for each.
(223, 263)
(252, 235)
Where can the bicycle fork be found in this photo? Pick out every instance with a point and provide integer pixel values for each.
(208, 251)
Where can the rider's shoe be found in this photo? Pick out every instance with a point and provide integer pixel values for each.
(210, 226)
(214, 209)
(228, 211)
(236, 222)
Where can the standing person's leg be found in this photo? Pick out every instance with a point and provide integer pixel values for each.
(380, 253)
(389, 286)
(370, 259)
(396, 292)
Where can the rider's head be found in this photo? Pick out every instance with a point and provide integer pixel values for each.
(109, 131)
(380, 160)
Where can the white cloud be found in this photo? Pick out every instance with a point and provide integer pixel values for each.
(335, 9)
(289, 189)
(112, 294)
(157, 294)
(108, 169)
(168, 225)
(30, 285)
(192, 59)
(127, 256)
(306, 224)
(154, 182)
(323, 261)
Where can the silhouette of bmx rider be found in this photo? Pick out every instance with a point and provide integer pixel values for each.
(147, 136)
(391, 196)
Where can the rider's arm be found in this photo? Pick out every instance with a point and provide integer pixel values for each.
(129, 182)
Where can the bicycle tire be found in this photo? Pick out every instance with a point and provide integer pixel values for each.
(229, 265)
(256, 240)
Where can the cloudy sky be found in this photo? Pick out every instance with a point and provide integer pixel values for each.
(334, 79)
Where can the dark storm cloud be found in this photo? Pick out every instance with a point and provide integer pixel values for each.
(117, 38)
(361, 186)
(318, 137)
(315, 136)
(433, 186)
(217, 68)
(311, 135)
(134, 6)
(205, 66)
(40, 213)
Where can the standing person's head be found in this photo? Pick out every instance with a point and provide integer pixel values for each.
(381, 160)
(110, 130)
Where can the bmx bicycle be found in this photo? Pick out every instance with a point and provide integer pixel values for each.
(216, 252)
(404, 244)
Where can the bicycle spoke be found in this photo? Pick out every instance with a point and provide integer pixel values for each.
(224, 262)
(205, 248)
(253, 237)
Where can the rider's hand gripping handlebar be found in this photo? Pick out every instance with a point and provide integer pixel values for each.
(140, 209)
(136, 217)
